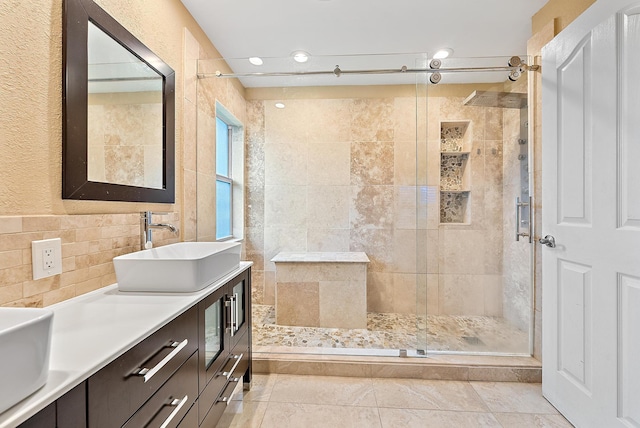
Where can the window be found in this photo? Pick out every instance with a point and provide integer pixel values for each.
(224, 182)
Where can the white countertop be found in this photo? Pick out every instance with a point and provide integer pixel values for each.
(92, 330)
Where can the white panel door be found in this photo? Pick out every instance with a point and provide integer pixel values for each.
(591, 206)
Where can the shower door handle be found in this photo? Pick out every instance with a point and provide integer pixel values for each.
(519, 206)
(549, 241)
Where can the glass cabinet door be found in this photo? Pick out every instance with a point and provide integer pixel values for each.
(213, 331)
(238, 293)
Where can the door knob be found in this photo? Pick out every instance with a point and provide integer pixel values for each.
(549, 241)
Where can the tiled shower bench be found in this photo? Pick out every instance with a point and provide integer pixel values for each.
(321, 289)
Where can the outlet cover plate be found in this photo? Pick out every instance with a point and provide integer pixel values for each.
(46, 257)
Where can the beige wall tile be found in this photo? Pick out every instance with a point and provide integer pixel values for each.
(190, 136)
(286, 164)
(285, 205)
(377, 244)
(329, 164)
(10, 293)
(297, 303)
(405, 159)
(40, 223)
(10, 225)
(269, 296)
(461, 295)
(40, 286)
(58, 295)
(328, 206)
(328, 240)
(372, 163)
(9, 259)
(371, 207)
(343, 304)
(405, 290)
(380, 292)
(372, 120)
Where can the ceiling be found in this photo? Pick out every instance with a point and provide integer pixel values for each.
(328, 28)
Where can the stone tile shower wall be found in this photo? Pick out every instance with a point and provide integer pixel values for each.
(336, 175)
(340, 175)
(469, 247)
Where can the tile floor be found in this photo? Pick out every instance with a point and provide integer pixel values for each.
(282, 401)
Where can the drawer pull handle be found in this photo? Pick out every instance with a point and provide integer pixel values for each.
(227, 400)
(230, 372)
(149, 373)
(178, 404)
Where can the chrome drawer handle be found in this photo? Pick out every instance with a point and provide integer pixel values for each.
(178, 404)
(230, 372)
(149, 373)
(227, 400)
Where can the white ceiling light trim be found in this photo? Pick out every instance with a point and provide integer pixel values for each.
(300, 56)
(443, 53)
(255, 60)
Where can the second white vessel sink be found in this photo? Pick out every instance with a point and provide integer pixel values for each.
(176, 268)
(25, 343)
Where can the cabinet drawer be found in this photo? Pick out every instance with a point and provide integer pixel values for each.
(242, 348)
(218, 408)
(118, 390)
(191, 418)
(229, 373)
(172, 402)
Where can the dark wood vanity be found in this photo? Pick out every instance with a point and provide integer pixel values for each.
(182, 375)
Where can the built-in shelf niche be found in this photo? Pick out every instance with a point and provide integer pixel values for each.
(455, 171)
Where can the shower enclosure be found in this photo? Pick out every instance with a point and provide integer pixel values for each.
(431, 180)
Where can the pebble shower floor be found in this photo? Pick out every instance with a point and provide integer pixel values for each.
(394, 331)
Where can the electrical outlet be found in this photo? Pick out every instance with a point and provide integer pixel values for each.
(46, 257)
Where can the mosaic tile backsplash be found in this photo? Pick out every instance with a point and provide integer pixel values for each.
(451, 137)
(452, 172)
(453, 207)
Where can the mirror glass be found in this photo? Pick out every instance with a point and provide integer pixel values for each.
(124, 115)
(118, 115)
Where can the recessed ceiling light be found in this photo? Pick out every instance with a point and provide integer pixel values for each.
(279, 105)
(443, 53)
(300, 56)
(255, 60)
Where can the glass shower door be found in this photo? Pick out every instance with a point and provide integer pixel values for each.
(477, 294)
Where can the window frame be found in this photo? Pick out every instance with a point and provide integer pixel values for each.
(226, 179)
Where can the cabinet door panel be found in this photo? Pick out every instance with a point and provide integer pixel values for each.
(45, 418)
(71, 408)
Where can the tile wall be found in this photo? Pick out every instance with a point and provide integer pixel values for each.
(339, 174)
(89, 243)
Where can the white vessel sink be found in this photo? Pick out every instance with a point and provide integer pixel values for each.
(177, 268)
(25, 339)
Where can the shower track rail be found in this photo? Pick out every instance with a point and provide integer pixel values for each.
(338, 72)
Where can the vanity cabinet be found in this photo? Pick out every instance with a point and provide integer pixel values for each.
(182, 375)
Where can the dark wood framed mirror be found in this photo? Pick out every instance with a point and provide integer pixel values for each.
(118, 115)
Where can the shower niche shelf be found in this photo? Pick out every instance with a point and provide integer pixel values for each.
(455, 171)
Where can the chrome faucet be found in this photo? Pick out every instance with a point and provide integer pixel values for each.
(146, 225)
